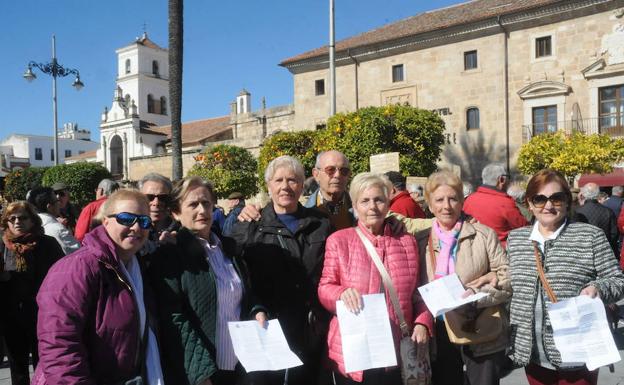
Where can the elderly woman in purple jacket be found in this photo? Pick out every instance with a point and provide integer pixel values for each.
(94, 324)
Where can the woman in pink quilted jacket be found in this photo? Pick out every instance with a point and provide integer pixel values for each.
(349, 272)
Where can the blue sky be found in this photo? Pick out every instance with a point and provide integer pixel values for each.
(229, 45)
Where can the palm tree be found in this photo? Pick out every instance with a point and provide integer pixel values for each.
(176, 35)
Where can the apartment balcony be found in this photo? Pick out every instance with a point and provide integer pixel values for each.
(588, 126)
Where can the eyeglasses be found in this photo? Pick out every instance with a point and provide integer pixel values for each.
(22, 218)
(557, 199)
(331, 170)
(129, 219)
(161, 197)
(60, 193)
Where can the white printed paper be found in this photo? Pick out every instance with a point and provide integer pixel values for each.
(445, 294)
(581, 332)
(258, 348)
(366, 337)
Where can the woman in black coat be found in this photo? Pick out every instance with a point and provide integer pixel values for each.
(284, 252)
(27, 255)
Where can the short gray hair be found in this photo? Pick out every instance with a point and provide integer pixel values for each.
(516, 191)
(415, 187)
(156, 177)
(590, 191)
(467, 189)
(617, 190)
(108, 186)
(366, 180)
(320, 155)
(284, 161)
(491, 172)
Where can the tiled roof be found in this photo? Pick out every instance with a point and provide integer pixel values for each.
(452, 16)
(197, 131)
(84, 155)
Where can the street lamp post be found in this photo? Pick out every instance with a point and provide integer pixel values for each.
(54, 69)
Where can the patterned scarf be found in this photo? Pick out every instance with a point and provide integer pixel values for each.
(21, 246)
(447, 240)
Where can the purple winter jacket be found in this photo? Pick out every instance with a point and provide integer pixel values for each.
(88, 323)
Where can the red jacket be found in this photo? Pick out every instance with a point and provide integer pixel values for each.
(86, 216)
(495, 209)
(347, 264)
(404, 204)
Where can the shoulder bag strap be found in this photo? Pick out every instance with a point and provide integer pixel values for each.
(387, 281)
(542, 276)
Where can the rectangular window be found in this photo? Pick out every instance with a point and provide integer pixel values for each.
(544, 119)
(611, 110)
(38, 153)
(51, 154)
(470, 60)
(397, 73)
(67, 153)
(543, 46)
(319, 87)
(472, 118)
(80, 152)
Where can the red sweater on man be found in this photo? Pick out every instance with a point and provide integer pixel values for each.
(83, 225)
(404, 204)
(495, 209)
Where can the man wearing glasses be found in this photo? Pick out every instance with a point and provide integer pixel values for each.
(157, 188)
(332, 173)
(490, 204)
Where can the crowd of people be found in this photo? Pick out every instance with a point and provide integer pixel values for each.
(139, 286)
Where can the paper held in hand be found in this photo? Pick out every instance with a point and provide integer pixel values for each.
(258, 348)
(366, 337)
(445, 294)
(581, 332)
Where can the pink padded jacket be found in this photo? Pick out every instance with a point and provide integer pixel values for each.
(347, 264)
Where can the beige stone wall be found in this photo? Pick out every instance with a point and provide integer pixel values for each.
(159, 163)
(434, 78)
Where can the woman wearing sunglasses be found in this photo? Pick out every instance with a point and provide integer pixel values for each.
(552, 260)
(95, 322)
(200, 288)
(27, 255)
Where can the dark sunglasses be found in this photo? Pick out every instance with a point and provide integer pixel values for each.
(161, 197)
(129, 219)
(557, 199)
(22, 218)
(331, 170)
(60, 193)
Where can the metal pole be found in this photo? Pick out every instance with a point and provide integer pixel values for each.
(332, 64)
(54, 106)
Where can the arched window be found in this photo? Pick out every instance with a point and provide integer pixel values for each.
(127, 66)
(163, 105)
(155, 68)
(150, 104)
(472, 118)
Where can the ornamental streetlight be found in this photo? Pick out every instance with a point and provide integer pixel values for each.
(55, 70)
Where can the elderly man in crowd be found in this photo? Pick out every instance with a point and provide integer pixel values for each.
(490, 204)
(157, 188)
(236, 202)
(615, 200)
(400, 200)
(596, 214)
(48, 207)
(86, 220)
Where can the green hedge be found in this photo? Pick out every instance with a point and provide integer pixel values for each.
(81, 179)
(18, 182)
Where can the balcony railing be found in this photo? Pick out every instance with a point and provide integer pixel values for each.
(587, 126)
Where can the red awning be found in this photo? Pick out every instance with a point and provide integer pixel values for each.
(614, 178)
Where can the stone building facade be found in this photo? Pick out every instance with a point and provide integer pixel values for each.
(497, 71)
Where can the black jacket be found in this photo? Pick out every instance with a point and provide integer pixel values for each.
(600, 216)
(285, 270)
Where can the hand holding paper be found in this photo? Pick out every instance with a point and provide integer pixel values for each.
(445, 294)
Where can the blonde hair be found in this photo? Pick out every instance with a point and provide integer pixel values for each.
(122, 195)
(365, 180)
(444, 178)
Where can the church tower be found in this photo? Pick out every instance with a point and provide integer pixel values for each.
(140, 102)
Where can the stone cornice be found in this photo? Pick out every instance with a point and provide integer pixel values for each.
(451, 34)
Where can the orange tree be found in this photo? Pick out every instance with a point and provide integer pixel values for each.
(299, 144)
(229, 168)
(18, 182)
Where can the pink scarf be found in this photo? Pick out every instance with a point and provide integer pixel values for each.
(445, 262)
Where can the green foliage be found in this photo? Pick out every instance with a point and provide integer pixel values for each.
(229, 168)
(81, 179)
(571, 155)
(18, 182)
(299, 144)
(416, 134)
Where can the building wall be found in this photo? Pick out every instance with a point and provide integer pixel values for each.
(435, 79)
(24, 147)
(252, 128)
(160, 164)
